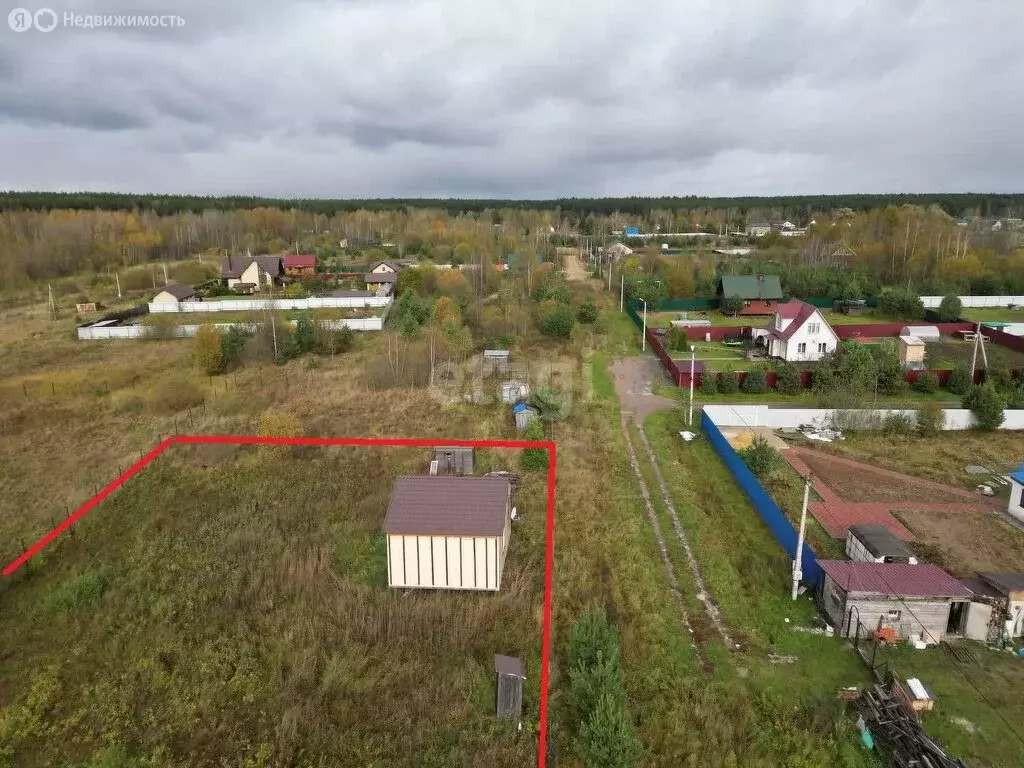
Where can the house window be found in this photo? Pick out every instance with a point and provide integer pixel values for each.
(801, 348)
(813, 328)
(822, 349)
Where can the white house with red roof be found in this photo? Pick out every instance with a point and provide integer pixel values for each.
(797, 333)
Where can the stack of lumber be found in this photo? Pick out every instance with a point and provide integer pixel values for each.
(897, 732)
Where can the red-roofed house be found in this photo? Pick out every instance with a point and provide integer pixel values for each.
(919, 602)
(297, 266)
(797, 333)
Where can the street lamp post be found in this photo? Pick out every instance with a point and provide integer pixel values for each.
(643, 336)
(693, 354)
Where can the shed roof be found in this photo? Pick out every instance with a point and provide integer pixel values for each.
(751, 287)
(179, 290)
(1005, 582)
(448, 505)
(520, 407)
(1018, 474)
(879, 540)
(981, 588)
(509, 665)
(894, 579)
(380, 277)
(912, 341)
(684, 365)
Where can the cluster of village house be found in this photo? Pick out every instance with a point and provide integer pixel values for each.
(255, 274)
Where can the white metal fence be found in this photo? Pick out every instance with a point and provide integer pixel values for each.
(249, 305)
(773, 418)
(931, 302)
(187, 331)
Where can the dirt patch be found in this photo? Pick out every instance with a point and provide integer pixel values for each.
(634, 382)
(862, 483)
(965, 542)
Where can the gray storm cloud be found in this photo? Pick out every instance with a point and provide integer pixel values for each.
(519, 99)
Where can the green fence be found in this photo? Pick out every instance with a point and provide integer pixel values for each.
(683, 304)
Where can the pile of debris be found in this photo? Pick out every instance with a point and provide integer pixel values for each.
(897, 733)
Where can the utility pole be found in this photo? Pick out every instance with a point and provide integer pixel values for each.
(693, 355)
(643, 335)
(117, 280)
(53, 307)
(622, 289)
(798, 562)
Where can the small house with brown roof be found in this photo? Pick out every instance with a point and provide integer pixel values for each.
(385, 267)
(448, 532)
(251, 274)
(173, 293)
(918, 602)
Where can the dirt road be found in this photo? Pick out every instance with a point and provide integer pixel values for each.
(634, 381)
(574, 268)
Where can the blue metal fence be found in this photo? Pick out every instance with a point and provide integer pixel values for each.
(773, 516)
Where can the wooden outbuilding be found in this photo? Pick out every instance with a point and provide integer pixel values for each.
(454, 460)
(448, 532)
(511, 674)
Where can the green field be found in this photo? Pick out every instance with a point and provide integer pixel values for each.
(949, 352)
(993, 314)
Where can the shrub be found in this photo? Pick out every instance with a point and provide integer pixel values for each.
(295, 291)
(732, 305)
(587, 312)
(727, 383)
(760, 458)
(927, 382)
(533, 458)
(950, 308)
(676, 339)
(78, 591)
(1000, 376)
(275, 423)
(959, 380)
(232, 342)
(930, 420)
(895, 424)
(754, 382)
(986, 405)
(557, 322)
(208, 350)
(593, 636)
(889, 375)
(709, 383)
(608, 737)
(1016, 398)
(900, 304)
(305, 331)
(177, 393)
(787, 379)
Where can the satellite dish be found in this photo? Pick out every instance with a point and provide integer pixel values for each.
(514, 513)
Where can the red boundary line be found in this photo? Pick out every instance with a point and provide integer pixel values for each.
(549, 543)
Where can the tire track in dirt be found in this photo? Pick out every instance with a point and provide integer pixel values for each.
(711, 609)
(670, 572)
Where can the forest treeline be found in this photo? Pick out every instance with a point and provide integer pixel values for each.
(788, 206)
(923, 248)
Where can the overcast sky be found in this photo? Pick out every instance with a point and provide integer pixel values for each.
(518, 98)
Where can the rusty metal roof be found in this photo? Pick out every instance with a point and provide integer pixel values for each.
(448, 506)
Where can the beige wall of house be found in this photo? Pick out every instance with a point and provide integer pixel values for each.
(446, 562)
(164, 298)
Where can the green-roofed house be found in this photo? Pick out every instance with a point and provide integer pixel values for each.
(760, 293)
